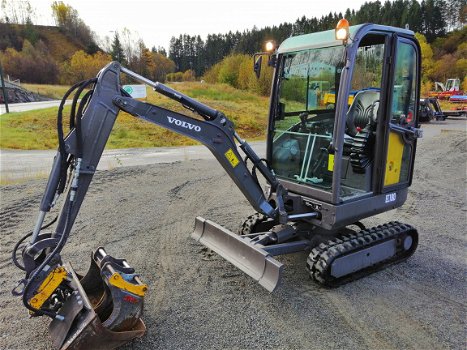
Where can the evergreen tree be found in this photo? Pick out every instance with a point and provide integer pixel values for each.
(433, 21)
(415, 16)
(432, 18)
(159, 49)
(29, 32)
(117, 50)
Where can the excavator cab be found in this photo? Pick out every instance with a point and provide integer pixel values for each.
(357, 152)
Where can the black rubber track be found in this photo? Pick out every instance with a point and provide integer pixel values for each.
(319, 262)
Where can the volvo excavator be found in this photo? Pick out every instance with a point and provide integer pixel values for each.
(327, 167)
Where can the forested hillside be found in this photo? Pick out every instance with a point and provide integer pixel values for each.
(69, 52)
(432, 18)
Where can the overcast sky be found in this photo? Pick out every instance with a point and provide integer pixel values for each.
(158, 20)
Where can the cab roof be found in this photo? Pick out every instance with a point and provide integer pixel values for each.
(327, 38)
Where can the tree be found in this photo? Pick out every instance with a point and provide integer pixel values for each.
(427, 57)
(189, 75)
(236, 70)
(229, 70)
(159, 49)
(83, 66)
(445, 68)
(415, 16)
(161, 67)
(432, 18)
(17, 11)
(62, 13)
(29, 32)
(117, 50)
(10, 37)
(129, 42)
(142, 60)
(67, 19)
(434, 23)
(33, 64)
(455, 14)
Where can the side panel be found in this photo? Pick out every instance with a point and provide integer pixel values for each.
(334, 217)
(394, 159)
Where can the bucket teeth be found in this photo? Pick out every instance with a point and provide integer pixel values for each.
(240, 251)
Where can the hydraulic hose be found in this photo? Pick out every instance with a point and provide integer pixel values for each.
(21, 240)
(61, 139)
(49, 257)
(76, 122)
(77, 117)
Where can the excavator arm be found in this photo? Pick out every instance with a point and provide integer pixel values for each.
(105, 309)
(214, 130)
(218, 135)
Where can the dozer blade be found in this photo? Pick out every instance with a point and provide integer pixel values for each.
(238, 250)
(103, 309)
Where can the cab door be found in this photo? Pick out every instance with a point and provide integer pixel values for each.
(403, 129)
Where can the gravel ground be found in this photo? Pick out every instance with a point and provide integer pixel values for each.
(146, 214)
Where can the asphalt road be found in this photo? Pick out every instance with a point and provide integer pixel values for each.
(29, 106)
(21, 165)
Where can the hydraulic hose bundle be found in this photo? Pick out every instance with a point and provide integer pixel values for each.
(68, 161)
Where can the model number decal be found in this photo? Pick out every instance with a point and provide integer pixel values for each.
(391, 197)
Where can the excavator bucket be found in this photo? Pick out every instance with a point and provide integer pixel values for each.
(103, 309)
(251, 259)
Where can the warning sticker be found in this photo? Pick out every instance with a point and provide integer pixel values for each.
(231, 157)
(331, 162)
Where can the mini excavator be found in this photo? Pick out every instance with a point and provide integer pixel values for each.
(342, 135)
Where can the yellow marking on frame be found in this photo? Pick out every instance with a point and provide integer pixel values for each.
(394, 159)
(118, 281)
(232, 158)
(47, 287)
(330, 162)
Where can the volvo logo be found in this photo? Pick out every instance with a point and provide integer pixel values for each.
(183, 124)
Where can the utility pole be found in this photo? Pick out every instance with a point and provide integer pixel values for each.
(5, 96)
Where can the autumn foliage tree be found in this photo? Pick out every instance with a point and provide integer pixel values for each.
(444, 59)
(33, 64)
(83, 66)
(224, 57)
(67, 18)
(161, 67)
(237, 71)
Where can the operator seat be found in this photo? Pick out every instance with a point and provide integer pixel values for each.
(364, 109)
(360, 125)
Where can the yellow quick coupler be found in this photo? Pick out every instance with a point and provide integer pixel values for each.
(118, 281)
(47, 287)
